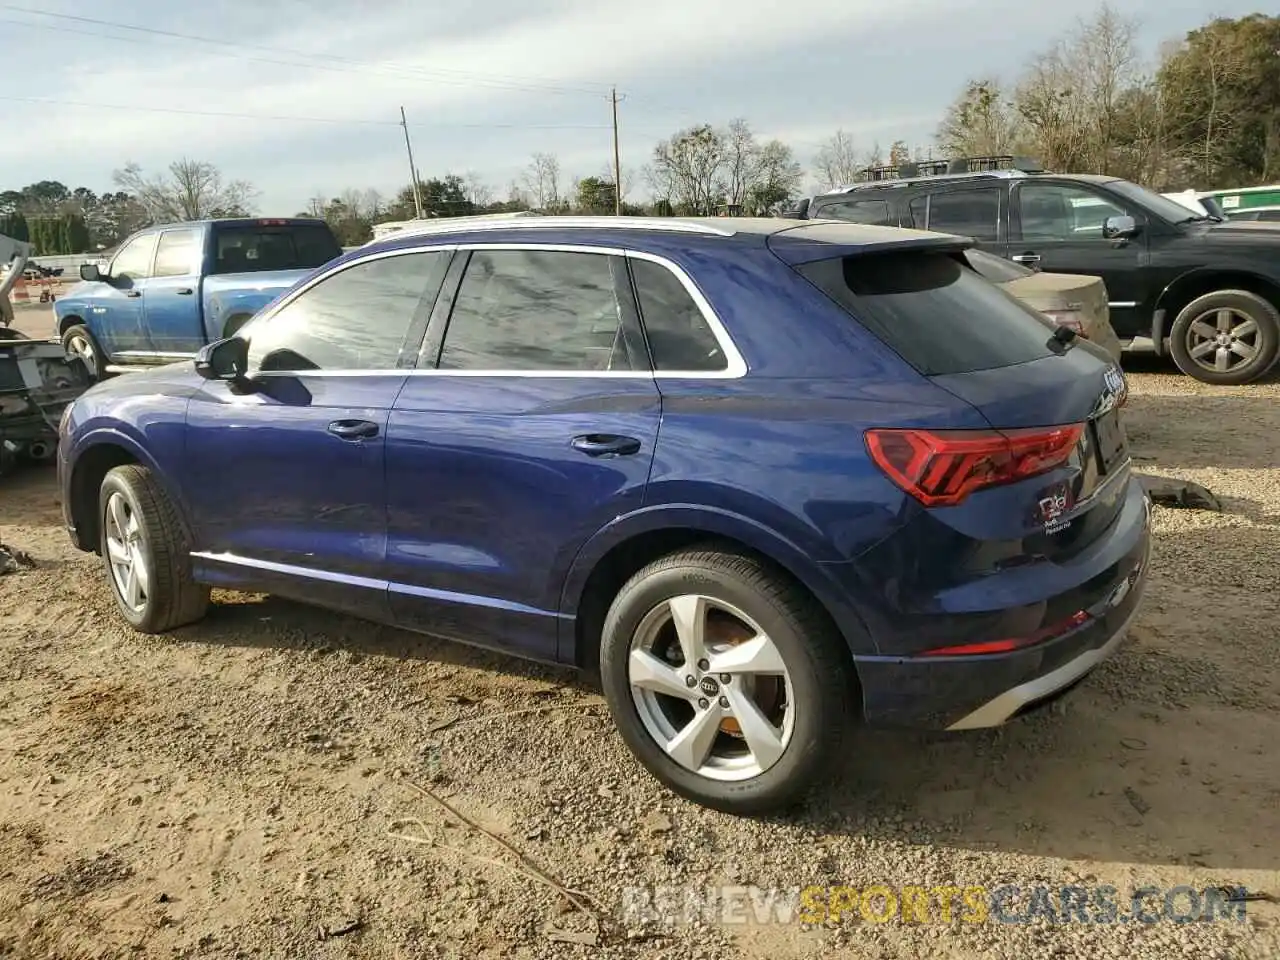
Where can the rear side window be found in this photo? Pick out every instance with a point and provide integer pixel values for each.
(935, 312)
(679, 336)
(861, 211)
(250, 248)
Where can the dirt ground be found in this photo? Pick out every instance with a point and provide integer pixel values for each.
(263, 784)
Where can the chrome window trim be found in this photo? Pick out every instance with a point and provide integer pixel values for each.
(671, 225)
(735, 364)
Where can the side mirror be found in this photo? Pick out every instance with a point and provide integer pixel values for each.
(223, 360)
(1119, 228)
(90, 272)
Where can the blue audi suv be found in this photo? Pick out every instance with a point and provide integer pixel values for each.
(771, 478)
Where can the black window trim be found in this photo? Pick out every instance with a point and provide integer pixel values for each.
(409, 347)
(1015, 209)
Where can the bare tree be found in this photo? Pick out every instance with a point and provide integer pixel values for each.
(836, 161)
(982, 121)
(1073, 97)
(777, 178)
(742, 162)
(192, 190)
(542, 178)
(478, 192)
(628, 178)
(688, 169)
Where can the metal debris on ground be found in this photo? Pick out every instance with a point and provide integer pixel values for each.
(1181, 494)
(12, 560)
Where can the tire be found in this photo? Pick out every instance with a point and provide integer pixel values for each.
(158, 547)
(1225, 313)
(79, 342)
(814, 656)
(10, 334)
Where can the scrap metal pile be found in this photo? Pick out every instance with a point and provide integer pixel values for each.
(37, 382)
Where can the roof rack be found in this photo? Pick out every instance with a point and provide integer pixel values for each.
(1006, 165)
(460, 224)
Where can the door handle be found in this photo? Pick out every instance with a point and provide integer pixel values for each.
(354, 429)
(605, 445)
(184, 292)
(133, 294)
(1026, 258)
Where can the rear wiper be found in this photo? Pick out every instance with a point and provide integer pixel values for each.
(1063, 339)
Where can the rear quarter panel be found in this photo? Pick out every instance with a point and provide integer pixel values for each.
(242, 294)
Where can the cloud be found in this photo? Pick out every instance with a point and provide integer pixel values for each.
(484, 85)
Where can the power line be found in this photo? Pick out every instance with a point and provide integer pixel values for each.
(296, 119)
(496, 81)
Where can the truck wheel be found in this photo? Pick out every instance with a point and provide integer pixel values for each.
(726, 680)
(79, 342)
(1227, 337)
(146, 552)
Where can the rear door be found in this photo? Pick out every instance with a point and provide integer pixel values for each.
(171, 311)
(1058, 228)
(534, 430)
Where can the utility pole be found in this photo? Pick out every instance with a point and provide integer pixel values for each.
(413, 171)
(617, 161)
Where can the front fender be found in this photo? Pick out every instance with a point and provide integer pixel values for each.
(139, 445)
(816, 576)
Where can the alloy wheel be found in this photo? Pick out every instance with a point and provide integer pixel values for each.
(79, 346)
(711, 688)
(126, 552)
(1223, 339)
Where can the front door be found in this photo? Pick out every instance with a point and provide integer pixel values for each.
(117, 307)
(1058, 228)
(536, 429)
(286, 475)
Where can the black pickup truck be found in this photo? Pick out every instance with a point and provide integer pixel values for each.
(1204, 290)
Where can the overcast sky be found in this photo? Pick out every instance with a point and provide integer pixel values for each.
(487, 83)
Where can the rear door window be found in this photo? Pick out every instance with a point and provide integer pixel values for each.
(966, 213)
(860, 211)
(933, 310)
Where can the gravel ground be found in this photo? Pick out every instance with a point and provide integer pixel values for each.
(269, 783)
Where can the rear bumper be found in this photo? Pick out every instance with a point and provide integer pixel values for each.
(966, 693)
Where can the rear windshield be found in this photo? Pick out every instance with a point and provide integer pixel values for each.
(250, 248)
(933, 310)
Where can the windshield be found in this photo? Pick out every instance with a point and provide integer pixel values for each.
(1162, 207)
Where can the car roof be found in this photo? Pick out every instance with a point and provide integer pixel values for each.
(944, 179)
(639, 231)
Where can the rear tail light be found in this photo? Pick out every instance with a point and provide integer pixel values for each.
(1077, 619)
(1072, 319)
(942, 467)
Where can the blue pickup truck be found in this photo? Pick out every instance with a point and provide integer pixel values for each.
(171, 289)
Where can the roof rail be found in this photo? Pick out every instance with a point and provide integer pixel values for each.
(459, 224)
